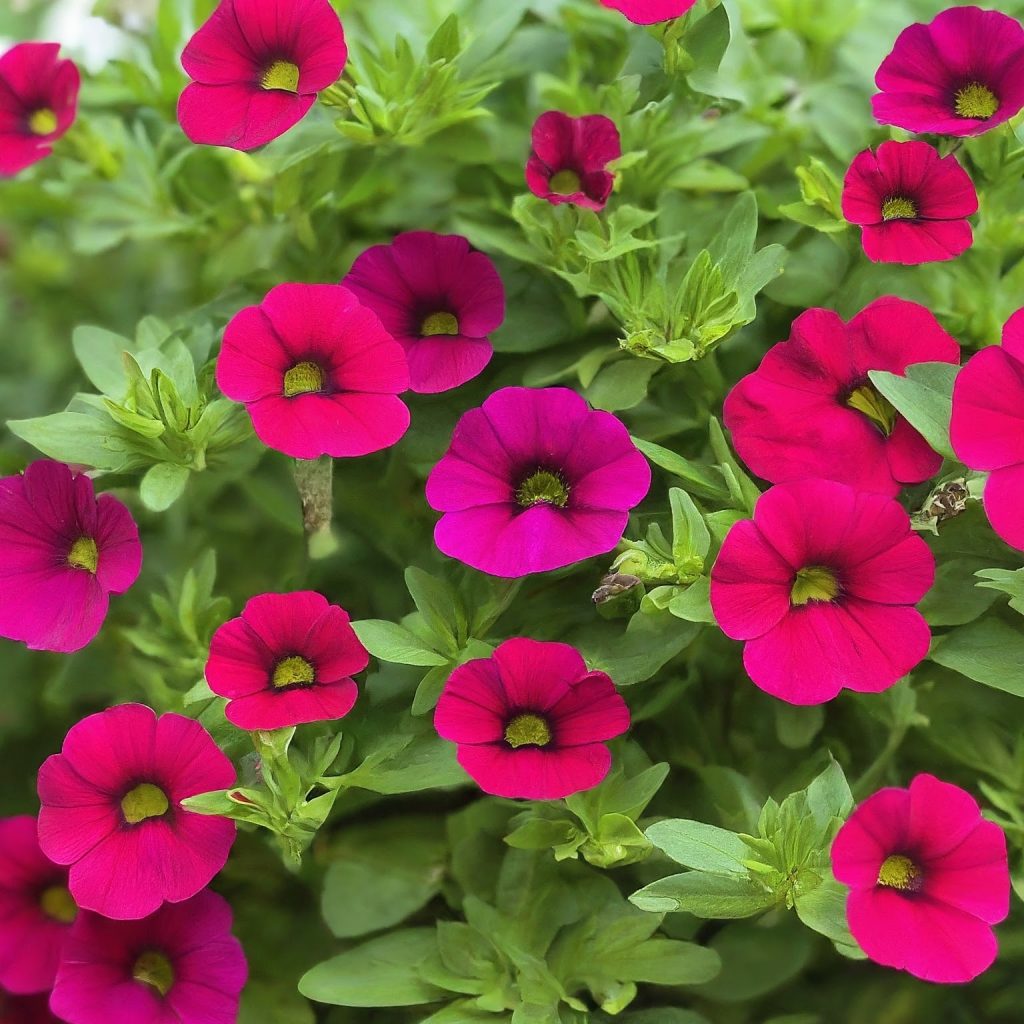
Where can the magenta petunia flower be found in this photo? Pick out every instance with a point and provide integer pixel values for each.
(317, 372)
(928, 878)
(288, 659)
(438, 298)
(257, 66)
(962, 74)
(987, 427)
(38, 102)
(821, 584)
(180, 965)
(810, 410)
(912, 205)
(649, 12)
(36, 910)
(63, 551)
(530, 721)
(33, 1009)
(535, 480)
(111, 810)
(569, 158)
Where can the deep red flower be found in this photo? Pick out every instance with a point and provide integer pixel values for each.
(911, 203)
(530, 721)
(439, 299)
(257, 66)
(36, 910)
(288, 659)
(38, 101)
(569, 159)
(962, 74)
(928, 878)
(649, 12)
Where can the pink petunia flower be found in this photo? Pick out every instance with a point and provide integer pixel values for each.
(810, 410)
(317, 372)
(987, 427)
(181, 964)
(535, 480)
(33, 1009)
(438, 298)
(928, 878)
(962, 74)
(911, 203)
(821, 584)
(288, 659)
(530, 721)
(38, 102)
(36, 910)
(569, 158)
(649, 12)
(111, 810)
(64, 551)
(257, 66)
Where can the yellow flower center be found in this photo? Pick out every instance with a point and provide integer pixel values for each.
(867, 401)
(42, 122)
(143, 802)
(303, 379)
(283, 75)
(57, 904)
(440, 323)
(293, 671)
(814, 583)
(975, 101)
(899, 208)
(899, 872)
(527, 731)
(565, 183)
(84, 555)
(543, 488)
(154, 969)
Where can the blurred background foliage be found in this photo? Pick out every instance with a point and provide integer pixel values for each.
(131, 239)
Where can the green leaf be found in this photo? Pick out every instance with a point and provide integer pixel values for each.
(75, 437)
(690, 537)
(391, 642)
(823, 909)
(381, 972)
(703, 480)
(703, 847)
(829, 796)
(705, 895)
(99, 353)
(437, 603)
(924, 396)
(987, 651)
(622, 385)
(1005, 581)
(163, 485)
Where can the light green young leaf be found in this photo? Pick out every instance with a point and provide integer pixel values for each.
(390, 642)
(924, 397)
(700, 846)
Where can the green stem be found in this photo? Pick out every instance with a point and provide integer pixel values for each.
(314, 479)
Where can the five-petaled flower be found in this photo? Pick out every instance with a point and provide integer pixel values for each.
(439, 298)
(38, 101)
(65, 552)
(810, 409)
(180, 964)
(962, 74)
(535, 480)
(531, 721)
(288, 659)
(257, 66)
(987, 427)
(928, 878)
(317, 372)
(111, 810)
(36, 910)
(912, 205)
(569, 159)
(821, 584)
(649, 12)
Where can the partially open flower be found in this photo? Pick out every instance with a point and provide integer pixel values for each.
(821, 584)
(530, 721)
(36, 910)
(111, 810)
(569, 159)
(911, 203)
(438, 298)
(928, 877)
(181, 964)
(257, 66)
(650, 12)
(63, 551)
(38, 102)
(961, 74)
